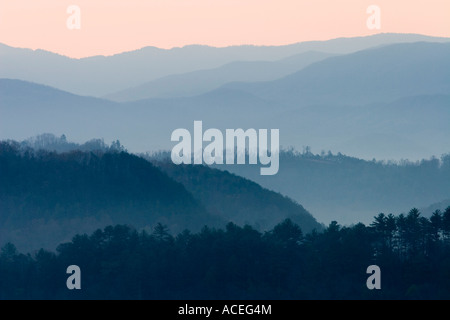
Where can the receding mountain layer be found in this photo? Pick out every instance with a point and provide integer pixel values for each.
(47, 197)
(99, 75)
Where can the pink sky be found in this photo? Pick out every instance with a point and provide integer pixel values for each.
(113, 26)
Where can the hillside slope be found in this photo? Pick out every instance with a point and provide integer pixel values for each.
(45, 198)
(237, 199)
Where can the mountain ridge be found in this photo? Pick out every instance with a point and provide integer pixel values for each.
(330, 114)
(202, 81)
(46, 196)
(99, 75)
(358, 77)
(412, 37)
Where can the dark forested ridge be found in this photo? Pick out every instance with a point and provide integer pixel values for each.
(241, 263)
(47, 197)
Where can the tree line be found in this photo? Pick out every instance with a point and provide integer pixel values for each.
(118, 262)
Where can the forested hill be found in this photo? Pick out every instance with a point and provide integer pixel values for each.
(46, 198)
(238, 199)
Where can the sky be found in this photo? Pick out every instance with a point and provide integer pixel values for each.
(112, 26)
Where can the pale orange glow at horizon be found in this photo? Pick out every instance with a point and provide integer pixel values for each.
(114, 26)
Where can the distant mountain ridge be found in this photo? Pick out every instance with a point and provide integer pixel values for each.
(99, 76)
(386, 103)
(350, 190)
(202, 81)
(374, 75)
